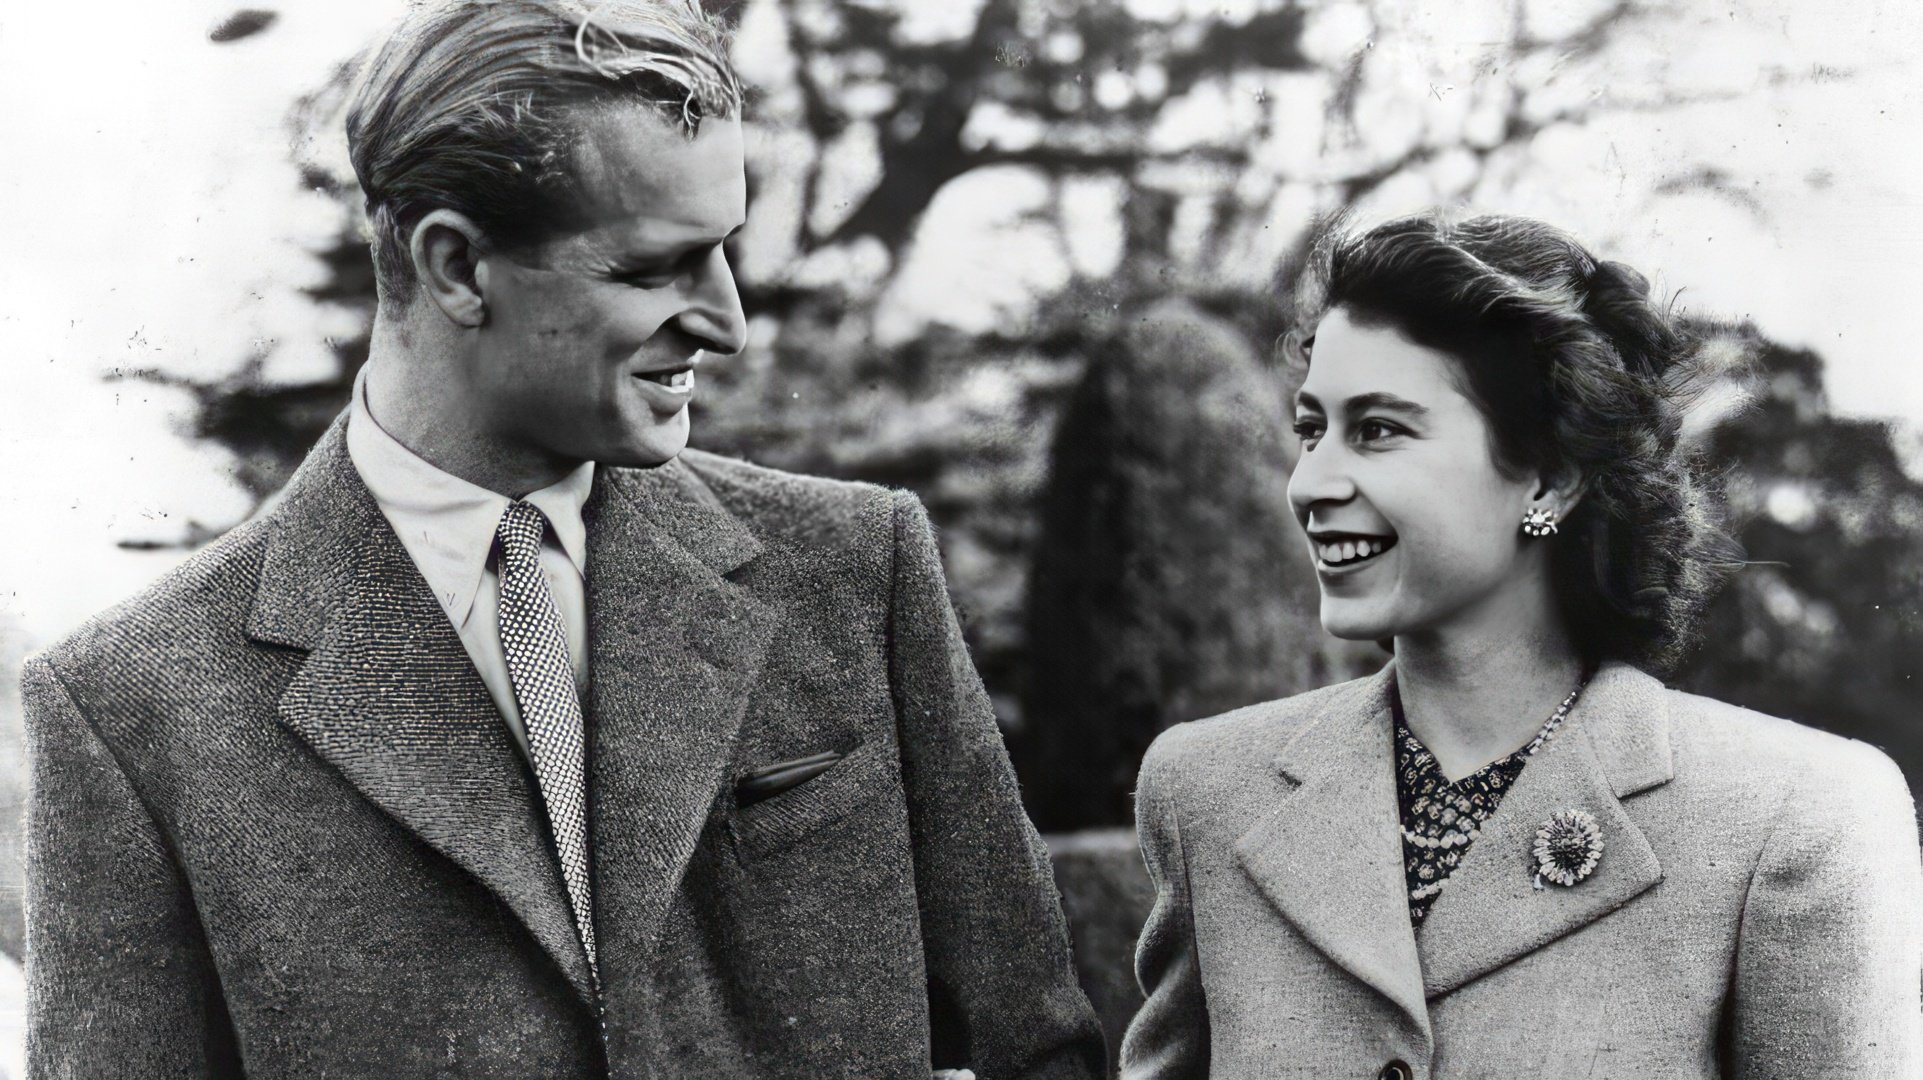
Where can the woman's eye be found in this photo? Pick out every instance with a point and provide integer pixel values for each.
(1372, 430)
(1308, 430)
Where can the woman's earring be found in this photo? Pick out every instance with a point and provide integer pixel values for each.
(1539, 522)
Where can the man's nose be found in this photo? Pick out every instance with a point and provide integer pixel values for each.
(714, 308)
(1321, 476)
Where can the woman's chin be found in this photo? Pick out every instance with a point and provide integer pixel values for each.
(1344, 621)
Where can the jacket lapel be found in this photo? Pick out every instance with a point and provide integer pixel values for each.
(675, 649)
(1613, 744)
(1330, 857)
(389, 698)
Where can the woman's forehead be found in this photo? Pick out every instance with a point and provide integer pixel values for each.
(1366, 360)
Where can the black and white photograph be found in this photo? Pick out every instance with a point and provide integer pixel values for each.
(961, 539)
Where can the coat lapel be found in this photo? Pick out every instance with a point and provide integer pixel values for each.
(1613, 744)
(389, 698)
(676, 647)
(1330, 857)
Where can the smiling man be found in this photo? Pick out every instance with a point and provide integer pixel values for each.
(516, 740)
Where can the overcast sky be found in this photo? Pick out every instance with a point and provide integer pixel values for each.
(153, 218)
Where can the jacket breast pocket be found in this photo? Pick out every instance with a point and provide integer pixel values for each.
(783, 820)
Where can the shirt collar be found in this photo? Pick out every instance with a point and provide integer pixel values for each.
(446, 523)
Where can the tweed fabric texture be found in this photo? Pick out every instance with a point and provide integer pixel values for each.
(536, 647)
(1758, 911)
(278, 827)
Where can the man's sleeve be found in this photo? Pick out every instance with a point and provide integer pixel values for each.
(1169, 1037)
(119, 981)
(995, 940)
(1829, 962)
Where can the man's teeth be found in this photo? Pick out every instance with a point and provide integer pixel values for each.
(678, 380)
(1348, 550)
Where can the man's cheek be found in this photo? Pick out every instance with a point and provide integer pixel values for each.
(635, 319)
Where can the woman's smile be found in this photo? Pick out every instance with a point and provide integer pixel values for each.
(1339, 553)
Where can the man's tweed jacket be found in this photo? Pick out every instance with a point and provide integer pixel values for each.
(1757, 913)
(279, 829)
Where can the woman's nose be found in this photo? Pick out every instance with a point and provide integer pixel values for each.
(1321, 476)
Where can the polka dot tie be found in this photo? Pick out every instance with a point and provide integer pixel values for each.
(536, 647)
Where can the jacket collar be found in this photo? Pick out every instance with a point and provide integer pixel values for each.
(1330, 856)
(675, 647)
(1614, 744)
(388, 696)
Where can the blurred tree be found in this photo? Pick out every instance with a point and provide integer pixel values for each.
(1826, 625)
(1170, 579)
(1208, 136)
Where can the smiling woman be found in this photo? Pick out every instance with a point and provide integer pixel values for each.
(1573, 381)
(1513, 851)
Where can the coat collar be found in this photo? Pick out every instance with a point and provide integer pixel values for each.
(1330, 857)
(388, 696)
(1614, 744)
(675, 647)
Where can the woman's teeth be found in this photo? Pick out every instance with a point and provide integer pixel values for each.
(1349, 550)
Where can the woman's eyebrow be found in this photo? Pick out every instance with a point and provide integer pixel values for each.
(1386, 402)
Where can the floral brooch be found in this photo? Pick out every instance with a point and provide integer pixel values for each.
(1568, 847)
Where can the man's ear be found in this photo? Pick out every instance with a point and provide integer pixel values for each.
(446, 249)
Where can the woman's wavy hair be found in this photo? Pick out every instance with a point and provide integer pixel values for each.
(1575, 367)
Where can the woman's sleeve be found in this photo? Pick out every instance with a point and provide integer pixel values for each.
(1829, 965)
(1169, 1037)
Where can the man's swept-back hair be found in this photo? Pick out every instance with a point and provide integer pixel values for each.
(1576, 369)
(470, 105)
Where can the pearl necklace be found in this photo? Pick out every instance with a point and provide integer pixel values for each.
(1462, 839)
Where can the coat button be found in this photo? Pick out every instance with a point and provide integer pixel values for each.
(1396, 1070)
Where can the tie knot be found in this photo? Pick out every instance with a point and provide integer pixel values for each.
(520, 531)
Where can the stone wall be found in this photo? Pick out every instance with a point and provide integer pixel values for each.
(1106, 895)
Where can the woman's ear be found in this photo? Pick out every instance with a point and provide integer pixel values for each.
(446, 248)
(1561, 491)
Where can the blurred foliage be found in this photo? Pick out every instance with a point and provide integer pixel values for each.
(1170, 580)
(1128, 153)
(1826, 624)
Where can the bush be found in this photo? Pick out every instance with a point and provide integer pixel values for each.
(1170, 580)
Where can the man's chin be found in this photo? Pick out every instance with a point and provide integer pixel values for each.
(639, 460)
(645, 442)
(654, 451)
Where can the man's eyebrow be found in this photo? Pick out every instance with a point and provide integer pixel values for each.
(641, 252)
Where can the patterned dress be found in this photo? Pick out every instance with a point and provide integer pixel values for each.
(1440, 819)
